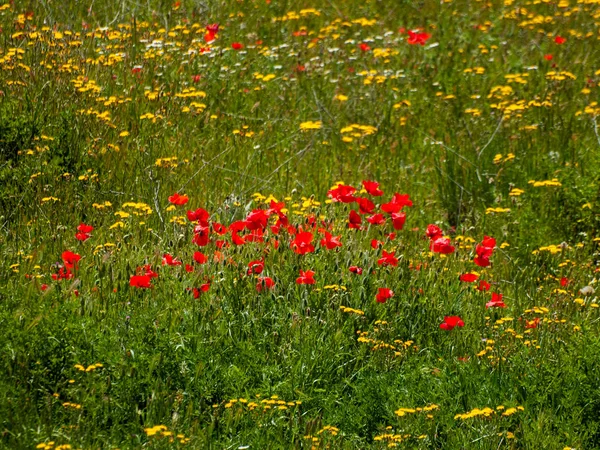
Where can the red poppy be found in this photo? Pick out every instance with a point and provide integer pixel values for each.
(330, 241)
(200, 258)
(178, 200)
(417, 38)
(201, 235)
(189, 268)
(170, 261)
(70, 259)
(354, 221)
(564, 281)
(302, 243)
(256, 266)
(83, 228)
(44, 287)
(63, 274)
(342, 193)
(398, 220)
(146, 270)
(548, 57)
(204, 288)
(82, 236)
(468, 277)
(364, 47)
(441, 245)
(200, 215)
(213, 28)
(496, 301)
(483, 286)
(237, 46)
(397, 202)
(209, 37)
(434, 232)
(196, 78)
(384, 294)
(376, 219)
(264, 283)
(140, 281)
(376, 244)
(257, 220)
(484, 251)
(365, 206)
(372, 188)
(387, 259)
(355, 269)
(450, 322)
(560, 40)
(306, 277)
(219, 228)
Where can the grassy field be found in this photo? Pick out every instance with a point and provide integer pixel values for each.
(319, 224)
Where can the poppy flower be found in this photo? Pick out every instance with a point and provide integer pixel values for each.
(564, 281)
(140, 281)
(200, 258)
(170, 261)
(201, 235)
(417, 38)
(441, 245)
(82, 236)
(342, 193)
(484, 251)
(330, 242)
(376, 244)
(146, 270)
(483, 286)
(83, 228)
(256, 266)
(372, 188)
(433, 232)
(364, 47)
(398, 220)
(387, 259)
(196, 78)
(496, 301)
(365, 206)
(213, 28)
(70, 259)
(306, 277)
(302, 243)
(355, 269)
(397, 202)
(384, 294)
(264, 283)
(257, 219)
(468, 277)
(376, 219)
(354, 220)
(209, 37)
(548, 57)
(189, 268)
(200, 215)
(237, 46)
(178, 200)
(451, 322)
(219, 228)
(197, 291)
(560, 40)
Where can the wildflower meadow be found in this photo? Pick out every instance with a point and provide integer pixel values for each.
(276, 224)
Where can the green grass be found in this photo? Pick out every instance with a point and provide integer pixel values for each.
(109, 108)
